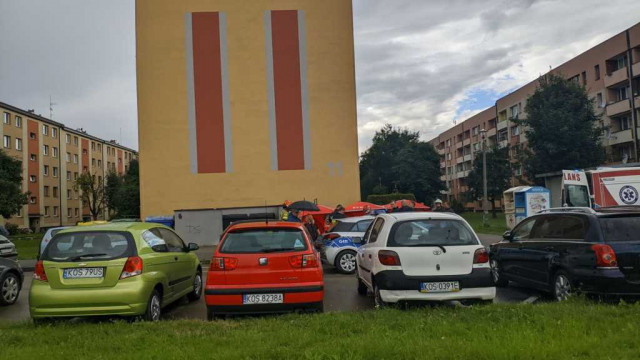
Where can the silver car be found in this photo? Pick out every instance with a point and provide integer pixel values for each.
(49, 235)
(340, 244)
(7, 248)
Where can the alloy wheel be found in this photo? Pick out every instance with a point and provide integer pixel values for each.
(155, 308)
(197, 284)
(348, 262)
(562, 288)
(10, 289)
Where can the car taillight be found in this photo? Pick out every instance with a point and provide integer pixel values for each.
(303, 261)
(38, 273)
(223, 263)
(605, 256)
(388, 258)
(481, 256)
(133, 267)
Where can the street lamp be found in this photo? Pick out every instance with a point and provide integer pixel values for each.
(485, 215)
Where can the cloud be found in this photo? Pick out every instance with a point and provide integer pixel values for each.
(422, 65)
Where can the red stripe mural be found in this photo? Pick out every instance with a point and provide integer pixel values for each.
(287, 89)
(208, 92)
(33, 167)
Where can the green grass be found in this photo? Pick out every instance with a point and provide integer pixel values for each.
(28, 245)
(573, 330)
(497, 226)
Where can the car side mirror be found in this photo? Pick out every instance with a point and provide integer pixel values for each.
(193, 247)
(507, 235)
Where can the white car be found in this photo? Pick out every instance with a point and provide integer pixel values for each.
(341, 242)
(423, 256)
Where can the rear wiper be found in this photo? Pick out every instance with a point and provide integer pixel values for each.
(276, 250)
(76, 258)
(427, 245)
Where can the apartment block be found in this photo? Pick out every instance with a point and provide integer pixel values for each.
(609, 71)
(53, 156)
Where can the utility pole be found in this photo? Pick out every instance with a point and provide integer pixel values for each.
(485, 214)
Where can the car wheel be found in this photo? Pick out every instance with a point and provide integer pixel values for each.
(154, 307)
(197, 288)
(346, 262)
(362, 287)
(496, 274)
(561, 288)
(9, 289)
(378, 298)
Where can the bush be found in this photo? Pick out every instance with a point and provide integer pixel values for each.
(13, 229)
(384, 199)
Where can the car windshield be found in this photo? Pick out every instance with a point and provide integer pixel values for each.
(263, 241)
(83, 246)
(342, 226)
(620, 228)
(577, 195)
(417, 233)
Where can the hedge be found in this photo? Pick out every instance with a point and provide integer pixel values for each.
(384, 199)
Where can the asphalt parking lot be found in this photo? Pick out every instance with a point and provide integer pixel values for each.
(340, 295)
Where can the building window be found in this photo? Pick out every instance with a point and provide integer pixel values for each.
(33, 200)
(68, 157)
(69, 212)
(596, 69)
(55, 172)
(54, 133)
(93, 162)
(55, 211)
(32, 178)
(84, 151)
(46, 170)
(75, 158)
(622, 93)
(45, 130)
(67, 138)
(85, 169)
(99, 179)
(518, 171)
(93, 145)
(600, 100)
(584, 78)
(77, 212)
(18, 121)
(55, 191)
(6, 118)
(18, 144)
(515, 131)
(75, 140)
(46, 191)
(575, 79)
(6, 141)
(46, 211)
(33, 157)
(45, 149)
(448, 156)
(625, 123)
(69, 175)
(99, 163)
(621, 62)
(75, 175)
(68, 194)
(55, 152)
(99, 147)
(514, 111)
(33, 136)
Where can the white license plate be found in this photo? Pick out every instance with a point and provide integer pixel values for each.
(83, 273)
(262, 299)
(440, 287)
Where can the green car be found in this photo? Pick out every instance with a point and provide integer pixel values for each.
(116, 269)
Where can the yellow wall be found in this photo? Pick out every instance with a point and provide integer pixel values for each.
(167, 183)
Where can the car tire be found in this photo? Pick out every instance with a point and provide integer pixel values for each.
(346, 262)
(496, 274)
(9, 289)
(197, 287)
(379, 303)
(362, 288)
(561, 286)
(154, 307)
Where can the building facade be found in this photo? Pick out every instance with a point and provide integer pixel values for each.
(245, 104)
(53, 156)
(610, 72)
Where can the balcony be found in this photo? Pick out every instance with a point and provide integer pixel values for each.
(636, 69)
(503, 125)
(616, 77)
(618, 107)
(462, 174)
(620, 137)
(637, 100)
(460, 160)
(467, 158)
(443, 164)
(466, 142)
(459, 145)
(491, 132)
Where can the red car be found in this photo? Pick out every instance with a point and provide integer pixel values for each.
(264, 267)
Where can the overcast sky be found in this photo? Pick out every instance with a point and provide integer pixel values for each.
(420, 64)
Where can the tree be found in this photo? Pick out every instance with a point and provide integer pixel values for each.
(92, 193)
(11, 196)
(498, 175)
(123, 192)
(397, 159)
(562, 128)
